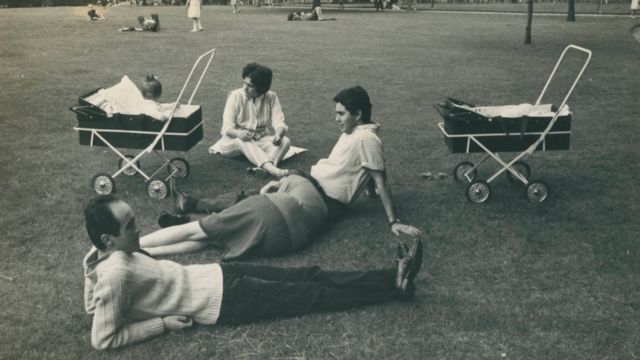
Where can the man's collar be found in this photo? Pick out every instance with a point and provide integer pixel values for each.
(95, 256)
(256, 99)
(367, 126)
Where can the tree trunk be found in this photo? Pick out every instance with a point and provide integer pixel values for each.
(571, 15)
(527, 36)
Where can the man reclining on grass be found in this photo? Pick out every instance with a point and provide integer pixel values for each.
(315, 14)
(146, 24)
(94, 15)
(134, 297)
(288, 212)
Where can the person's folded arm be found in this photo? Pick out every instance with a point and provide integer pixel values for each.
(110, 328)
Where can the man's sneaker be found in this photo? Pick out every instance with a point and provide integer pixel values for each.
(409, 260)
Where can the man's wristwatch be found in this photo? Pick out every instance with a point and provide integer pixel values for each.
(394, 221)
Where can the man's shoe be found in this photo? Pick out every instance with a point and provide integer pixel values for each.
(166, 219)
(409, 263)
(182, 202)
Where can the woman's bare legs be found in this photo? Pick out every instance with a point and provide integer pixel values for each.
(175, 239)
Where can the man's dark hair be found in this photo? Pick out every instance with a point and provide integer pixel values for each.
(260, 76)
(99, 219)
(354, 99)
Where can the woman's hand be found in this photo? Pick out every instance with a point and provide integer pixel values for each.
(245, 135)
(272, 186)
(398, 228)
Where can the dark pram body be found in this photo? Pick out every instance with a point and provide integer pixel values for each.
(138, 131)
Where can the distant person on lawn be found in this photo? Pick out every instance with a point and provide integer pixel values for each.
(134, 297)
(151, 23)
(314, 15)
(94, 15)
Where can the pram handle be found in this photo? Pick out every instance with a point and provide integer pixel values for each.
(564, 101)
(211, 53)
(584, 66)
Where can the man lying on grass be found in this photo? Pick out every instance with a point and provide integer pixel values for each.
(286, 213)
(134, 297)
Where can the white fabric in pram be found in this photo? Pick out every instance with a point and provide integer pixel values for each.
(123, 98)
(516, 111)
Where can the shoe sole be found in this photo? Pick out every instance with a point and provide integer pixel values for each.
(415, 262)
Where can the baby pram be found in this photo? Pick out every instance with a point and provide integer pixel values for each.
(491, 129)
(180, 132)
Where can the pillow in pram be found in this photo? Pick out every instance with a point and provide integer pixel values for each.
(124, 98)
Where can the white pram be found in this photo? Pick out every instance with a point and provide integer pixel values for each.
(491, 129)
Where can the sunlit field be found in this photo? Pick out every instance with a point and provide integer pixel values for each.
(507, 279)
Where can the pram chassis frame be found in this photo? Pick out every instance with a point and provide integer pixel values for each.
(508, 166)
(130, 162)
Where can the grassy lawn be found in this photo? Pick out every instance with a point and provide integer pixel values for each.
(506, 279)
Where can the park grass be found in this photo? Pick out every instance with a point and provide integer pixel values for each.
(506, 279)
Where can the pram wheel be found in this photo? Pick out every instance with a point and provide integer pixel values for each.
(478, 191)
(521, 167)
(462, 169)
(103, 184)
(537, 191)
(130, 171)
(157, 189)
(178, 168)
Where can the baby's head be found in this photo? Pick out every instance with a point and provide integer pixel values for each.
(151, 87)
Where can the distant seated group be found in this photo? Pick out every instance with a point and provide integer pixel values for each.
(133, 296)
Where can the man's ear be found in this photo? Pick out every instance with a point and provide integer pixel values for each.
(107, 240)
(359, 116)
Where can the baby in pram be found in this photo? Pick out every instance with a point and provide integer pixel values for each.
(127, 98)
(151, 89)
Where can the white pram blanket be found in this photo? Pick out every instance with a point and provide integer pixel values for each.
(122, 98)
(516, 111)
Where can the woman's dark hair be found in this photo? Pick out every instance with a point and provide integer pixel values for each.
(260, 76)
(290, 17)
(355, 99)
(99, 219)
